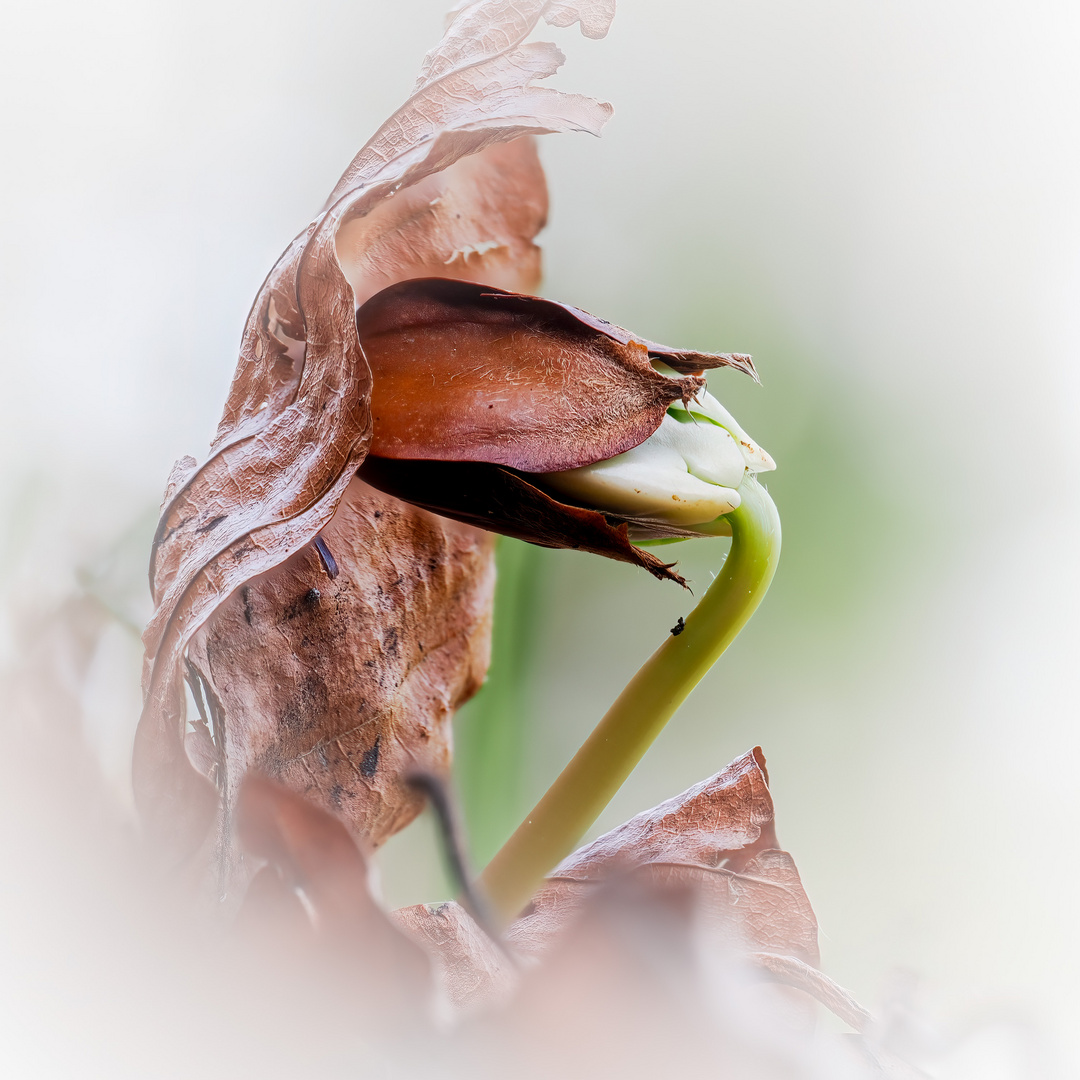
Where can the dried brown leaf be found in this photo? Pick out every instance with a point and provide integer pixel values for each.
(717, 839)
(635, 906)
(477, 29)
(473, 971)
(250, 506)
(490, 98)
(339, 687)
(297, 423)
(474, 220)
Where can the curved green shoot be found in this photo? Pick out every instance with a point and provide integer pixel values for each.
(627, 730)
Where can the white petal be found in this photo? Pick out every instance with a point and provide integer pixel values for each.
(708, 451)
(757, 460)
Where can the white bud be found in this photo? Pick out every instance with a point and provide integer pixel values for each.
(684, 474)
(707, 407)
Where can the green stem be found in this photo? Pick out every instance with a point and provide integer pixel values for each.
(627, 730)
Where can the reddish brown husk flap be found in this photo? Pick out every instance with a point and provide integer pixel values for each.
(465, 372)
(503, 501)
(685, 361)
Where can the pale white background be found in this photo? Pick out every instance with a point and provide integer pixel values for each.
(879, 199)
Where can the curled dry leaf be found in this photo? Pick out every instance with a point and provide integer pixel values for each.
(297, 421)
(470, 97)
(476, 28)
(252, 504)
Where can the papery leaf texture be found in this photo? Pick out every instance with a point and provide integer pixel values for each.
(480, 27)
(341, 686)
(472, 970)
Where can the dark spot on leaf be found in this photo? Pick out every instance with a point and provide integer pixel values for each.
(335, 796)
(303, 605)
(678, 628)
(213, 523)
(390, 640)
(169, 533)
(306, 710)
(370, 761)
(245, 596)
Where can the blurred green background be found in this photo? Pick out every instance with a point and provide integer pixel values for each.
(878, 200)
